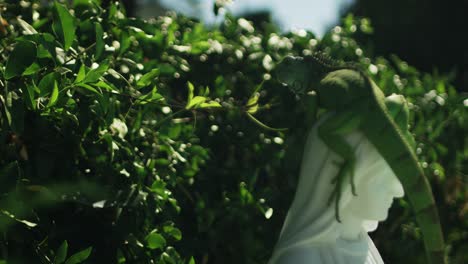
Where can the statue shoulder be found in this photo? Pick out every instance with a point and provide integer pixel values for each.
(304, 255)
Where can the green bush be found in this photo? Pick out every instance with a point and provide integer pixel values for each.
(131, 141)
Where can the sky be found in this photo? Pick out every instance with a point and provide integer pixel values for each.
(314, 15)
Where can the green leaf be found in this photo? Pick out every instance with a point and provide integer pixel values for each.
(150, 97)
(192, 260)
(167, 69)
(162, 162)
(81, 74)
(95, 74)
(99, 40)
(159, 187)
(211, 104)
(146, 79)
(64, 25)
(88, 87)
(61, 254)
(104, 85)
(3, 261)
(252, 104)
(29, 96)
(174, 132)
(191, 89)
(206, 92)
(42, 52)
(47, 43)
(86, 3)
(54, 96)
(22, 56)
(200, 47)
(174, 232)
(80, 256)
(125, 42)
(46, 85)
(155, 241)
(195, 102)
(199, 101)
(32, 69)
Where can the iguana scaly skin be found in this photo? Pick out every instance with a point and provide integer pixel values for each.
(359, 104)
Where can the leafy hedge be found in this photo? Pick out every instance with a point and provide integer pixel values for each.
(130, 141)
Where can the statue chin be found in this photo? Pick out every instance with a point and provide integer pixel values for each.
(370, 225)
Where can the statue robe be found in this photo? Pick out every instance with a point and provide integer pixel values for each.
(310, 233)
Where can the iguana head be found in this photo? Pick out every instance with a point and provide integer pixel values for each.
(294, 73)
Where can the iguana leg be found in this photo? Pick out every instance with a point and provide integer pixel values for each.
(332, 132)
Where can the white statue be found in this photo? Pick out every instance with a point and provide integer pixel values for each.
(311, 234)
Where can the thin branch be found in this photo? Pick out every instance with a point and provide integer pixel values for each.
(74, 57)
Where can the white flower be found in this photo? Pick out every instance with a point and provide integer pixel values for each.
(215, 46)
(243, 23)
(268, 62)
(119, 127)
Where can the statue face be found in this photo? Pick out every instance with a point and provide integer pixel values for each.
(375, 193)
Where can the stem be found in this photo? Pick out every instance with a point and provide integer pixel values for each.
(73, 57)
(170, 116)
(262, 125)
(125, 79)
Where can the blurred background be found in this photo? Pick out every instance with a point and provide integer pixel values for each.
(428, 34)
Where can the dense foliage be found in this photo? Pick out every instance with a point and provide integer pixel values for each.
(130, 141)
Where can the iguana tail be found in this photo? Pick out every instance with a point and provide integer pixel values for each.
(389, 141)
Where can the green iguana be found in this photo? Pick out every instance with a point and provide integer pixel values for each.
(359, 104)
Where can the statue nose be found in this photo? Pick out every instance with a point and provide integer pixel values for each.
(396, 188)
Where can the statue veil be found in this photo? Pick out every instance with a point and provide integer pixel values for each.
(310, 226)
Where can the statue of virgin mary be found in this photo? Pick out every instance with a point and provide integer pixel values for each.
(311, 234)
